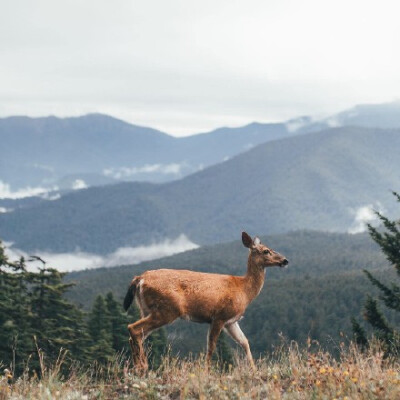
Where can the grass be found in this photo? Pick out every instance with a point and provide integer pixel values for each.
(290, 373)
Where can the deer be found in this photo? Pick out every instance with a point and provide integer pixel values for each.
(220, 300)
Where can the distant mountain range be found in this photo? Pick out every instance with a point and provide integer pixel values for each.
(313, 181)
(97, 149)
(92, 150)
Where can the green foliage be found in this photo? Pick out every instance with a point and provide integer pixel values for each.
(388, 240)
(118, 322)
(36, 317)
(360, 336)
(99, 328)
(34, 314)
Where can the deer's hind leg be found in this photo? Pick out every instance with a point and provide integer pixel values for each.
(213, 334)
(139, 331)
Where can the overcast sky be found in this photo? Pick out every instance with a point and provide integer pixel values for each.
(189, 66)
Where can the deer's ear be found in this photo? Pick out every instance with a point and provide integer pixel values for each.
(256, 241)
(247, 240)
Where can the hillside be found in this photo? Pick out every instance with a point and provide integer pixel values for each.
(316, 295)
(313, 181)
(99, 149)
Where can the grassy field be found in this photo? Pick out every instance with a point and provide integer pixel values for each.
(289, 373)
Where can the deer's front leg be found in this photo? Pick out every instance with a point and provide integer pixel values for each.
(213, 334)
(238, 336)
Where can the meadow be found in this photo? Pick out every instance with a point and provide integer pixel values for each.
(288, 373)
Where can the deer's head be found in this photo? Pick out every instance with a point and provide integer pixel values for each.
(262, 255)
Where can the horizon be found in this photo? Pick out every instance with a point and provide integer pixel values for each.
(313, 118)
(186, 67)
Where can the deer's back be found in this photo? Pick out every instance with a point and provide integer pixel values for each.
(193, 295)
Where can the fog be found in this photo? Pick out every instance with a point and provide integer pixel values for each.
(124, 255)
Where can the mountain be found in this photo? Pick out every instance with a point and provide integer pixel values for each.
(98, 149)
(383, 115)
(313, 181)
(95, 149)
(386, 115)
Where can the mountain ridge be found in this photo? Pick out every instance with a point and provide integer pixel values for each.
(314, 181)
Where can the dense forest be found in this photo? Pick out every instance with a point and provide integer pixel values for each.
(40, 326)
(315, 297)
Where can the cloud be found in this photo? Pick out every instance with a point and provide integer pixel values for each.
(248, 146)
(126, 172)
(7, 193)
(79, 184)
(182, 67)
(4, 210)
(333, 122)
(123, 255)
(362, 216)
(51, 196)
(295, 124)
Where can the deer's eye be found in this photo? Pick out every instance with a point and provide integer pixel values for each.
(266, 252)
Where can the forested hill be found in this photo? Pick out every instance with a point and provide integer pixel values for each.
(316, 295)
(313, 181)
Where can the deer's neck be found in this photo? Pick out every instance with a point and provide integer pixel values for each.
(254, 279)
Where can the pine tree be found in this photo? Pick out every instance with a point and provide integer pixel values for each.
(389, 242)
(15, 317)
(57, 324)
(34, 313)
(100, 332)
(119, 322)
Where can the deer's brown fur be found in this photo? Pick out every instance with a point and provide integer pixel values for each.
(167, 294)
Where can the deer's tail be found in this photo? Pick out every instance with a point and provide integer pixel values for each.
(130, 294)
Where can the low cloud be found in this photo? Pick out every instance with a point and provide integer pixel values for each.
(295, 124)
(7, 193)
(362, 216)
(51, 196)
(79, 184)
(4, 210)
(126, 172)
(124, 255)
(333, 122)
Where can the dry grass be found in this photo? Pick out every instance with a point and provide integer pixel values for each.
(289, 374)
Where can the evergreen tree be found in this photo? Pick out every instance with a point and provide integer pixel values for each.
(119, 321)
(34, 313)
(388, 240)
(100, 332)
(15, 317)
(56, 322)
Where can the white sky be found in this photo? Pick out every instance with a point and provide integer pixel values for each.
(189, 66)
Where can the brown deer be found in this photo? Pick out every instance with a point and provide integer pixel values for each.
(167, 294)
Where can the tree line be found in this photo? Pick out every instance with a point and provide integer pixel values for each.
(36, 318)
